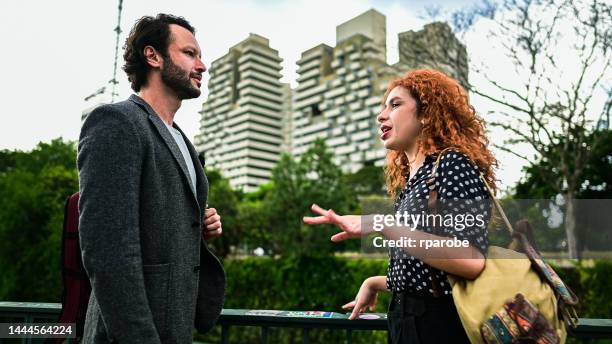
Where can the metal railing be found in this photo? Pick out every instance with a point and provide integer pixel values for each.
(266, 319)
(30, 312)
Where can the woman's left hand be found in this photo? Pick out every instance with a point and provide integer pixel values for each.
(350, 225)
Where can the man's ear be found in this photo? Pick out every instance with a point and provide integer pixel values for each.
(153, 57)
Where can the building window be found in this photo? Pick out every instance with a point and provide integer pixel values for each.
(314, 110)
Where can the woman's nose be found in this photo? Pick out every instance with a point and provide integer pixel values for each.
(381, 117)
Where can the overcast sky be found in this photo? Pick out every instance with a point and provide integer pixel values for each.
(55, 53)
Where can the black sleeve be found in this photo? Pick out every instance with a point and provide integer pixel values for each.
(463, 195)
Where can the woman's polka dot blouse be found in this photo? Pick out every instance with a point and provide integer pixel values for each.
(460, 191)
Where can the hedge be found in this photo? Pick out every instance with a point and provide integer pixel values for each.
(326, 283)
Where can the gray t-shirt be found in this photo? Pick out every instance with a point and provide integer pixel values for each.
(180, 141)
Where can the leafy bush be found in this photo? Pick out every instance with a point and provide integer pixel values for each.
(326, 283)
(298, 283)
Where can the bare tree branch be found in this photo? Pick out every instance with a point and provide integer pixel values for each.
(508, 150)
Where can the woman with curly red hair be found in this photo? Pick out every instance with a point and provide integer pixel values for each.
(435, 141)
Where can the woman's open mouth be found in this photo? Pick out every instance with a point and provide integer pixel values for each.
(386, 132)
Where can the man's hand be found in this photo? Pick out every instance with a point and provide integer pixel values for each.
(212, 224)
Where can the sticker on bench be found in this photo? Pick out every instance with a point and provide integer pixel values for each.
(289, 314)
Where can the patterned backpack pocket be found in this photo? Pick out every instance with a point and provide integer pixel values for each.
(518, 321)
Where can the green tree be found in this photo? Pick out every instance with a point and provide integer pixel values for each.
(225, 200)
(254, 226)
(595, 182)
(33, 189)
(297, 184)
(556, 91)
(369, 180)
(595, 179)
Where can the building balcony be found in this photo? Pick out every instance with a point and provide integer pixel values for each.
(264, 69)
(313, 73)
(267, 53)
(261, 60)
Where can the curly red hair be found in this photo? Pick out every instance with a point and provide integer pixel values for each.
(448, 121)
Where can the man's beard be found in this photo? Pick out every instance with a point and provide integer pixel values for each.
(178, 80)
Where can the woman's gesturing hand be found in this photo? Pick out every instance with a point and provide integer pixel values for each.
(365, 300)
(350, 225)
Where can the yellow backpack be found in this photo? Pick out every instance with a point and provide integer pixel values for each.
(485, 304)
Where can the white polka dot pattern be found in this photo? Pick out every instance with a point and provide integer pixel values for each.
(459, 188)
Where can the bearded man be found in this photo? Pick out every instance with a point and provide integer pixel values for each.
(143, 222)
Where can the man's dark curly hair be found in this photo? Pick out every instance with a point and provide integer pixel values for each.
(148, 31)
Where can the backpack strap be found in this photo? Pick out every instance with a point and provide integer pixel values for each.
(432, 206)
(567, 298)
(431, 182)
(75, 283)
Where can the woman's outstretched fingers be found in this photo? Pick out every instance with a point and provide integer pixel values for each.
(332, 215)
(318, 220)
(349, 305)
(356, 311)
(339, 237)
(315, 208)
(315, 220)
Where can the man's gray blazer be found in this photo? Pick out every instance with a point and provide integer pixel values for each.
(152, 275)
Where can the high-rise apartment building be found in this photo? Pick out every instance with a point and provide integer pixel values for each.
(436, 47)
(241, 128)
(250, 117)
(340, 89)
(339, 93)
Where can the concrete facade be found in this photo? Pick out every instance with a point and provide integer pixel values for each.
(250, 117)
(241, 128)
(337, 99)
(435, 47)
(339, 93)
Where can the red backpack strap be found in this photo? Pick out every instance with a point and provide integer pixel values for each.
(76, 286)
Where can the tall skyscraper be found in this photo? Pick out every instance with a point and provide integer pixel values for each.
(339, 93)
(436, 47)
(287, 122)
(241, 128)
(371, 24)
(250, 117)
(340, 89)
